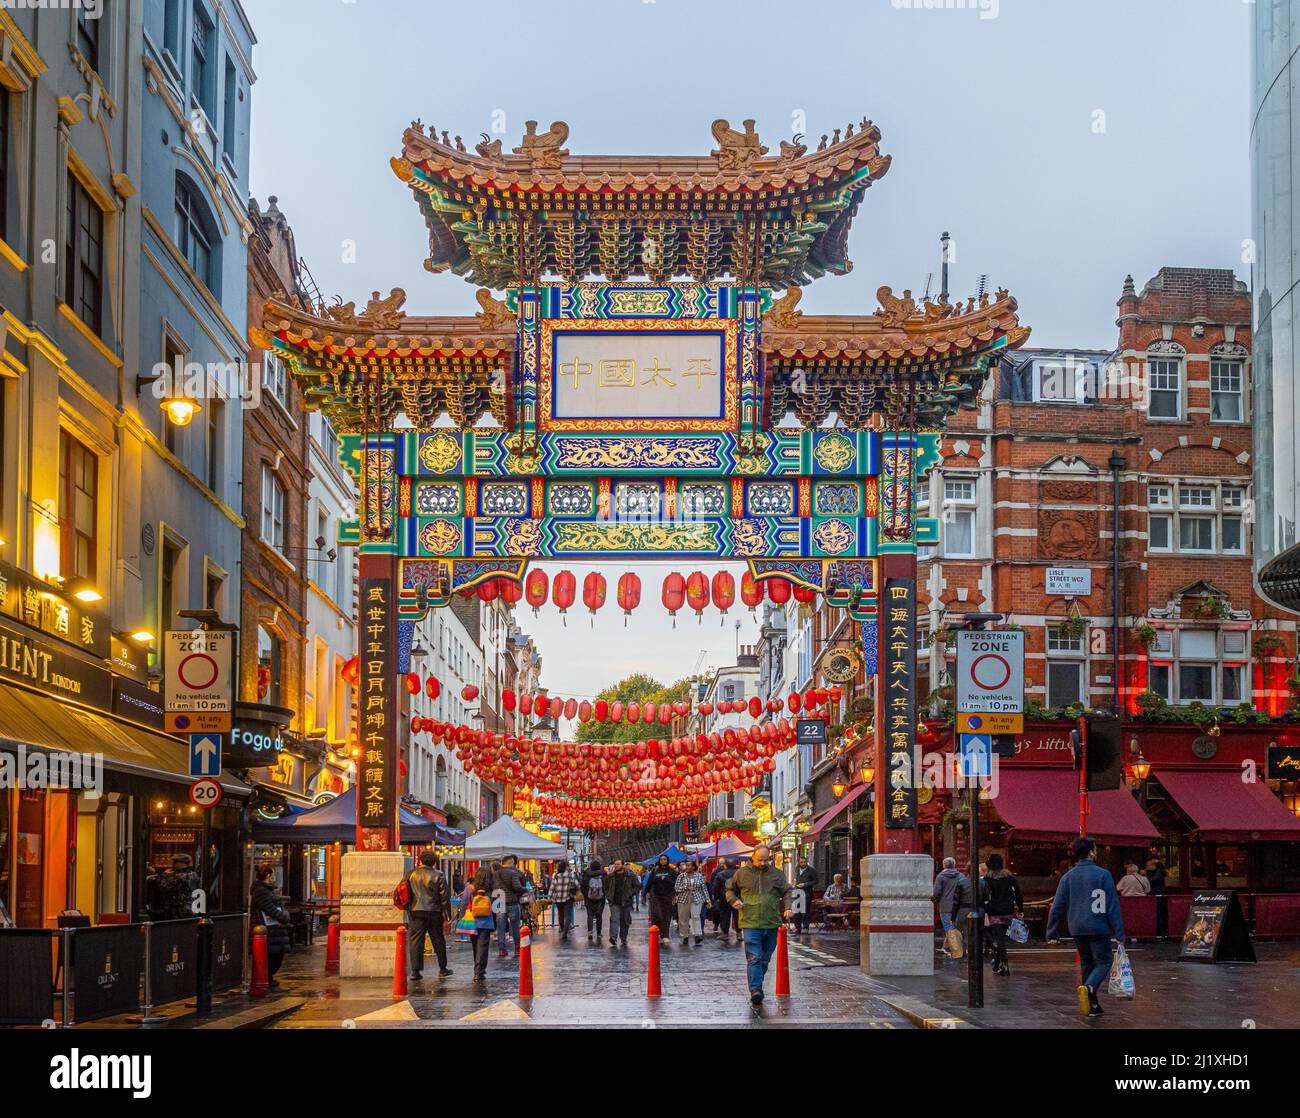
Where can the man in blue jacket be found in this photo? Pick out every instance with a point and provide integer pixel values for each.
(1088, 898)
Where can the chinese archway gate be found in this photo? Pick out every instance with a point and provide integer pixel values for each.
(684, 406)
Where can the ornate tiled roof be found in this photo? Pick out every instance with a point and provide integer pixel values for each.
(502, 218)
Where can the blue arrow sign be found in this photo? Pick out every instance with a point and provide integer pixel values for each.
(205, 755)
(976, 754)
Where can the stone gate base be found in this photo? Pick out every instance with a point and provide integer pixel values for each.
(368, 921)
(897, 921)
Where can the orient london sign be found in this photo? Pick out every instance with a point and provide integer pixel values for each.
(991, 672)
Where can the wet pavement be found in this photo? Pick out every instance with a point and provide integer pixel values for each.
(583, 984)
(1040, 991)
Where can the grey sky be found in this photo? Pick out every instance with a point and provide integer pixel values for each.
(991, 124)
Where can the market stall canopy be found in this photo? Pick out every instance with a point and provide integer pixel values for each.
(1044, 803)
(1223, 806)
(505, 836)
(727, 847)
(674, 853)
(336, 821)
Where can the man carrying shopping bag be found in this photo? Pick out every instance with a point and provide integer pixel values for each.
(1086, 896)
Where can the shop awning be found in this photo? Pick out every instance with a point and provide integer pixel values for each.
(829, 816)
(336, 821)
(32, 721)
(1044, 803)
(1223, 806)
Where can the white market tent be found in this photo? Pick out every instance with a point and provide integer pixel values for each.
(505, 836)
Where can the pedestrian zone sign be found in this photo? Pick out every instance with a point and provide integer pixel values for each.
(991, 671)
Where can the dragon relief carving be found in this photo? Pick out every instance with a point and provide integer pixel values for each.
(545, 150)
(379, 313)
(737, 150)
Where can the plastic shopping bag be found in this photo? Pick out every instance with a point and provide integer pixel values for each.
(1019, 931)
(1121, 975)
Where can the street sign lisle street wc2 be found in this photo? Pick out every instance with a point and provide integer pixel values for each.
(991, 671)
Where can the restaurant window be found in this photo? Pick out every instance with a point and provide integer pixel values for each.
(269, 658)
(273, 506)
(1227, 392)
(78, 508)
(1200, 666)
(959, 518)
(83, 262)
(1164, 388)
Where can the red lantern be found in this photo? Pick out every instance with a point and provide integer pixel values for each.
(570, 708)
(674, 594)
(413, 683)
(508, 699)
(601, 710)
(804, 596)
(432, 687)
(469, 692)
(535, 589)
(697, 593)
(794, 702)
(724, 591)
(778, 590)
(584, 711)
(593, 593)
(510, 590)
(629, 594)
(488, 591)
(563, 591)
(755, 707)
(751, 591)
(352, 671)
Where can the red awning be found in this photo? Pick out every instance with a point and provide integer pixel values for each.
(1223, 806)
(1044, 803)
(828, 816)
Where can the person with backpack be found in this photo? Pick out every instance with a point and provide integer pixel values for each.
(724, 915)
(592, 887)
(508, 889)
(661, 888)
(427, 903)
(1086, 896)
(563, 888)
(1003, 902)
(691, 893)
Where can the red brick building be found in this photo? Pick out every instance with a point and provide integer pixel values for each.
(1101, 501)
(276, 549)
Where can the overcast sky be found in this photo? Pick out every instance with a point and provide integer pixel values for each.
(1063, 145)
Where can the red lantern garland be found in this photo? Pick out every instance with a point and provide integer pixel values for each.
(593, 593)
(563, 591)
(629, 594)
(674, 594)
(536, 589)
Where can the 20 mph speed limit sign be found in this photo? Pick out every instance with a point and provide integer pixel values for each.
(205, 793)
(991, 672)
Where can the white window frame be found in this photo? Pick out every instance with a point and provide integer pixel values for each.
(1220, 366)
(1198, 499)
(274, 377)
(966, 506)
(1082, 375)
(1161, 366)
(274, 494)
(1172, 660)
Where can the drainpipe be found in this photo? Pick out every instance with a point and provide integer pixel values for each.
(1116, 462)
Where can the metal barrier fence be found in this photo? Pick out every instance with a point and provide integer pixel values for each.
(91, 973)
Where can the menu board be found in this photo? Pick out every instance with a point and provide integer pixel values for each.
(1216, 929)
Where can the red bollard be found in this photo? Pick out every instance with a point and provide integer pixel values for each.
(653, 988)
(525, 962)
(332, 947)
(260, 985)
(782, 964)
(399, 964)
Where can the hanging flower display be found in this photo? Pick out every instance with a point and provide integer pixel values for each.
(629, 594)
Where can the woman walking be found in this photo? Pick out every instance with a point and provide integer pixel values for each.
(480, 911)
(1003, 902)
(691, 894)
(661, 888)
